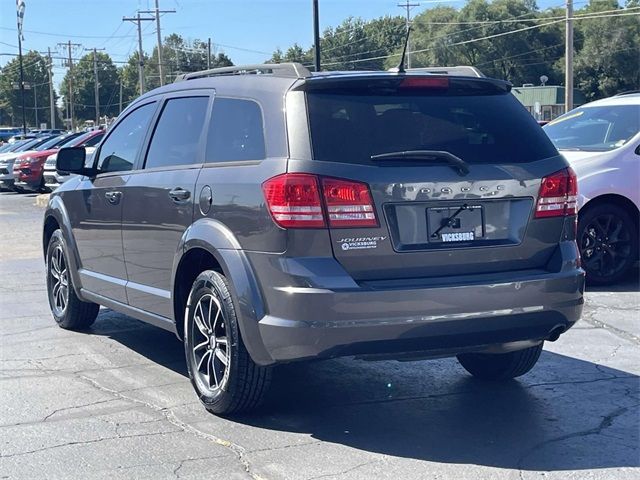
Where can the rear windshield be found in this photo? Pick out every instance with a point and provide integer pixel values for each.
(350, 128)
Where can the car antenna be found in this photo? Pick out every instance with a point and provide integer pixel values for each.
(400, 68)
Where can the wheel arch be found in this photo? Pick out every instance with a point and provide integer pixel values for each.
(57, 217)
(615, 199)
(209, 245)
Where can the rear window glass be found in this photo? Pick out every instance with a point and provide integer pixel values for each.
(350, 128)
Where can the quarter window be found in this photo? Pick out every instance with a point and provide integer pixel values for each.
(236, 131)
(119, 150)
(177, 135)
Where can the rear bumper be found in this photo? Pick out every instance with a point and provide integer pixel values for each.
(306, 322)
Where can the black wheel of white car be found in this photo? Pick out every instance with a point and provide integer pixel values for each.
(500, 366)
(221, 371)
(608, 241)
(68, 310)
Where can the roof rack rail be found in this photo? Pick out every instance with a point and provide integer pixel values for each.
(290, 70)
(628, 92)
(460, 70)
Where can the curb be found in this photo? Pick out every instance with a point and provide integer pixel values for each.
(42, 200)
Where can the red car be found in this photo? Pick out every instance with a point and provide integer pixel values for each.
(28, 169)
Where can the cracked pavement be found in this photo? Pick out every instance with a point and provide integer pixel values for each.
(114, 402)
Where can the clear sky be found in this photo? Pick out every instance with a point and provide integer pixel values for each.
(246, 30)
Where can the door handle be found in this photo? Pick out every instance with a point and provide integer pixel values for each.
(179, 194)
(113, 197)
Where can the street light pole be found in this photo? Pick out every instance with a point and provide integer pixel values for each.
(24, 109)
(316, 35)
(568, 58)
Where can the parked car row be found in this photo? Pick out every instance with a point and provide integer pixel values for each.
(22, 164)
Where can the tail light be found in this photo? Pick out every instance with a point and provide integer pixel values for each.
(294, 200)
(302, 200)
(348, 203)
(558, 196)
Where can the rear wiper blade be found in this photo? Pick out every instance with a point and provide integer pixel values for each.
(438, 155)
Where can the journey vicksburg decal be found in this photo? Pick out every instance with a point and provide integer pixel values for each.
(360, 243)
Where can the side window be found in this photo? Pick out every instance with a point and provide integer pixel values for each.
(236, 131)
(177, 133)
(119, 151)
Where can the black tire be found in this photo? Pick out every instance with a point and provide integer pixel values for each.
(237, 386)
(608, 242)
(75, 314)
(500, 366)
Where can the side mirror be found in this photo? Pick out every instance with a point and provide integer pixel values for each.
(71, 160)
(638, 150)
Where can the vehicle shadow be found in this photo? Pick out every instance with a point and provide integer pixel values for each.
(567, 414)
(630, 283)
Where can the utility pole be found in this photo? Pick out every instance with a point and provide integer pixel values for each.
(97, 84)
(120, 111)
(316, 35)
(138, 20)
(21, 86)
(157, 13)
(69, 45)
(52, 100)
(209, 54)
(408, 6)
(35, 102)
(568, 58)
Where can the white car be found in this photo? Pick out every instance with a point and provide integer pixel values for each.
(601, 141)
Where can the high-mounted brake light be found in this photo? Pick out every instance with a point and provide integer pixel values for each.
(558, 195)
(425, 82)
(295, 200)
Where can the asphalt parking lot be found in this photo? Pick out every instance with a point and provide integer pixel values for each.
(115, 402)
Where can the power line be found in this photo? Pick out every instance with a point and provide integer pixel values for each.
(488, 37)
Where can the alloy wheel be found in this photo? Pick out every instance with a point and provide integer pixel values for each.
(210, 345)
(605, 244)
(59, 281)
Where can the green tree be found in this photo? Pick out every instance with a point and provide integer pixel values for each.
(609, 60)
(84, 104)
(355, 44)
(36, 78)
(178, 56)
(295, 53)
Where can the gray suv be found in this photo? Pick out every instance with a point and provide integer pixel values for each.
(266, 214)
